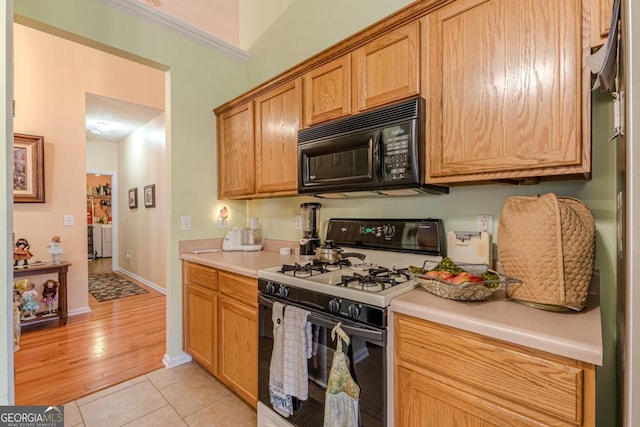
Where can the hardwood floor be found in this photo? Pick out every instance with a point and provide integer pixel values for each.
(118, 340)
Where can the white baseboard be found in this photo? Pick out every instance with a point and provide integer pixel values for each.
(141, 279)
(80, 310)
(172, 362)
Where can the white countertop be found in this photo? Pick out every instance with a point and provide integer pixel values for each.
(245, 263)
(577, 335)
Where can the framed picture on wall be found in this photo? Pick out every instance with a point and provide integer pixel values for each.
(150, 196)
(28, 168)
(133, 198)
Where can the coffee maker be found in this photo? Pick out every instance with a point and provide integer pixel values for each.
(310, 228)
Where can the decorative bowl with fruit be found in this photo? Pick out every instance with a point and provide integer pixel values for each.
(458, 281)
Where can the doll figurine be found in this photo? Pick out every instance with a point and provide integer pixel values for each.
(30, 304)
(21, 253)
(55, 250)
(49, 295)
(17, 302)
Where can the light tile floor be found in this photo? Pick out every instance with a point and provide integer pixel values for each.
(186, 395)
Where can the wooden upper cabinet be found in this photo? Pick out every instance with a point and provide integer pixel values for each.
(506, 96)
(236, 152)
(278, 114)
(387, 69)
(327, 91)
(600, 21)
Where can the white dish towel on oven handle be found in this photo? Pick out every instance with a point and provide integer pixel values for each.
(281, 401)
(343, 393)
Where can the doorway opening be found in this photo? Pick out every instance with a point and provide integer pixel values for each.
(100, 229)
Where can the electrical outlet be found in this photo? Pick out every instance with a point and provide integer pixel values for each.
(68, 220)
(298, 222)
(185, 222)
(127, 254)
(484, 222)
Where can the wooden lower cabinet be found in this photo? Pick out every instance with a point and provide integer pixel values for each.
(238, 366)
(445, 376)
(220, 315)
(201, 325)
(238, 335)
(200, 314)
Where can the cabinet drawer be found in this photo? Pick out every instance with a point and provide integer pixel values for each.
(241, 288)
(499, 372)
(199, 274)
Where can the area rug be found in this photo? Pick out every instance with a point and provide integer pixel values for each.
(109, 286)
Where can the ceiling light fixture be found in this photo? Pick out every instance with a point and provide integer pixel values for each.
(95, 131)
(103, 126)
(154, 3)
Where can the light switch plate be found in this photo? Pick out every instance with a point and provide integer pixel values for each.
(185, 222)
(68, 220)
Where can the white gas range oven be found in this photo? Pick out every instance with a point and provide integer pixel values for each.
(356, 291)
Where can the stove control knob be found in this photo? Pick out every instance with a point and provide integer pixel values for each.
(283, 292)
(334, 305)
(271, 288)
(389, 230)
(353, 310)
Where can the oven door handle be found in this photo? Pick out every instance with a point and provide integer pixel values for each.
(329, 323)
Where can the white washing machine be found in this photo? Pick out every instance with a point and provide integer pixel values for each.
(107, 241)
(103, 240)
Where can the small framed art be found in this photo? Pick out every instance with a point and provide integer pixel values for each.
(133, 198)
(150, 196)
(28, 168)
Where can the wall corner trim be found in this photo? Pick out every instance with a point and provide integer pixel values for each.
(171, 24)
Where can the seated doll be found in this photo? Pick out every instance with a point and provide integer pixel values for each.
(30, 304)
(49, 295)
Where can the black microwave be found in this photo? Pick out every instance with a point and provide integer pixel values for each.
(375, 153)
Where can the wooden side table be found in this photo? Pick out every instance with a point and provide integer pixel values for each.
(47, 268)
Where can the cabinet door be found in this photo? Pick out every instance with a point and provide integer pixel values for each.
(600, 21)
(277, 120)
(200, 321)
(238, 366)
(387, 69)
(506, 93)
(452, 375)
(421, 401)
(236, 152)
(327, 91)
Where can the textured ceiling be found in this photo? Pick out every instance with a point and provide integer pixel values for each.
(121, 117)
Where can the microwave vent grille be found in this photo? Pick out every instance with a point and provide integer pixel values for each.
(400, 112)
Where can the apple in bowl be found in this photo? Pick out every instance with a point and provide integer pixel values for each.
(440, 274)
(464, 277)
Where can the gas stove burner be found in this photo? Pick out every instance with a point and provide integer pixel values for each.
(400, 273)
(331, 266)
(302, 270)
(376, 279)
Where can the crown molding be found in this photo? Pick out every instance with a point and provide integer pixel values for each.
(151, 15)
